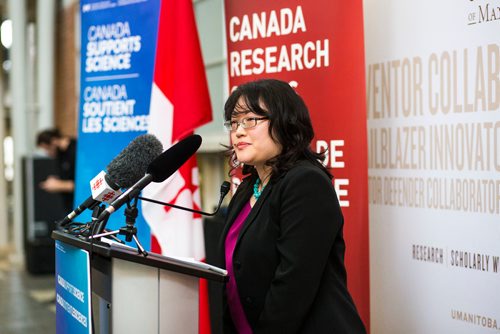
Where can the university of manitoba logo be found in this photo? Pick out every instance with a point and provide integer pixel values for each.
(483, 12)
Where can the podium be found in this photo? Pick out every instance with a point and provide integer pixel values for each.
(130, 293)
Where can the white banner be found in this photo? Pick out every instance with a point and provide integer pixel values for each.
(433, 110)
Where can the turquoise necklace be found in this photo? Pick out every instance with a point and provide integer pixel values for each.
(256, 191)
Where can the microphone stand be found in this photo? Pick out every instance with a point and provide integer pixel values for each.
(129, 230)
(79, 229)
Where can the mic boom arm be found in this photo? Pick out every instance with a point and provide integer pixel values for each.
(224, 189)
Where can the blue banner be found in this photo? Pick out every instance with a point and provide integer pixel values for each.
(118, 45)
(72, 290)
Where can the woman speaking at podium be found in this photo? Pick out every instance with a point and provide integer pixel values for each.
(282, 242)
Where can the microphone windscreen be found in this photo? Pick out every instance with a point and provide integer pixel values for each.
(172, 159)
(130, 165)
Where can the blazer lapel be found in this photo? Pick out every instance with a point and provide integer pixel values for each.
(255, 210)
(234, 209)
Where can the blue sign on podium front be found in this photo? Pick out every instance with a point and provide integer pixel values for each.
(72, 290)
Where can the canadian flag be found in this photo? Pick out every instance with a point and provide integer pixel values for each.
(180, 103)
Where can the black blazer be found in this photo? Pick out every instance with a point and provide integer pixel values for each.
(289, 258)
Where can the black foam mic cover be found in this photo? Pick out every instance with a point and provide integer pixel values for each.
(133, 161)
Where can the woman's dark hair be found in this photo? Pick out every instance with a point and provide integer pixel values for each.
(289, 122)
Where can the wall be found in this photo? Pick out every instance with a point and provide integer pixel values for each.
(433, 108)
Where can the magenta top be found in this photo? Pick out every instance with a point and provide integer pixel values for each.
(233, 299)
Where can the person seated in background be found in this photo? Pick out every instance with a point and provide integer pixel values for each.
(63, 149)
(283, 242)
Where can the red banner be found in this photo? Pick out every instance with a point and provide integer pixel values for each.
(316, 46)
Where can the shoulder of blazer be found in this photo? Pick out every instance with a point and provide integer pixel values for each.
(300, 169)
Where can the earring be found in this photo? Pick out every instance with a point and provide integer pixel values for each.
(234, 161)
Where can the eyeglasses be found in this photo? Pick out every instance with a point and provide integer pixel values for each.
(246, 123)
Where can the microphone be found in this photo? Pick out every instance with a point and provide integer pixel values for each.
(158, 171)
(224, 189)
(123, 171)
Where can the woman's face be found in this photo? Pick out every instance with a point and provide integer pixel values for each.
(253, 146)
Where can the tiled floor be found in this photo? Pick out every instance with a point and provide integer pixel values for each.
(26, 301)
